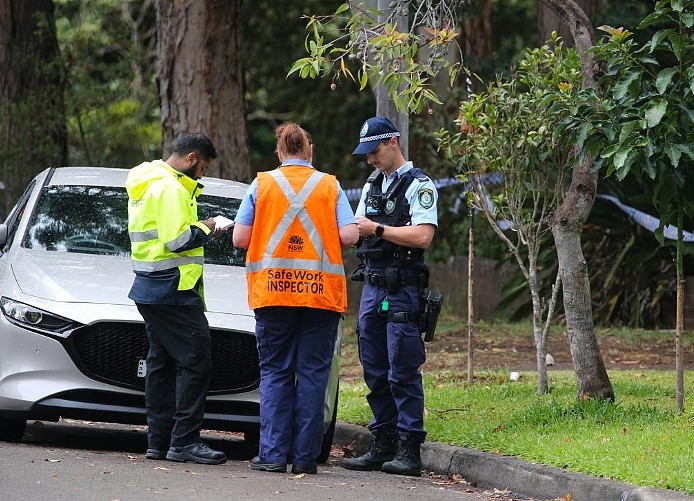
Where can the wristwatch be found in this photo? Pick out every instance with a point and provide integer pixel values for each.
(379, 230)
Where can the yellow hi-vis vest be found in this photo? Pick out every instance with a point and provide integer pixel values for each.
(162, 207)
(294, 257)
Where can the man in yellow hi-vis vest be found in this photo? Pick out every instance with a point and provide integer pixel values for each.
(294, 221)
(167, 253)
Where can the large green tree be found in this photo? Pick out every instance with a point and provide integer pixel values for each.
(505, 132)
(108, 52)
(32, 108)
(644, 127)
(390, 57)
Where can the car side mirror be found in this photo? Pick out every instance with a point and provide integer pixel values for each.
(3, 234)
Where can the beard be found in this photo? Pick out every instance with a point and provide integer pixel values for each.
(190, 171)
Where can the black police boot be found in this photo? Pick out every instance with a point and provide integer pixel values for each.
(383, 448)
(407, 460)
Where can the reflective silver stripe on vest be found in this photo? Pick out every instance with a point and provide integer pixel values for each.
(179, 241)
(167, 264)
(143, 236)
(296, 209)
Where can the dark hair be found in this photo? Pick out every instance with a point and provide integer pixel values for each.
(293, 141)
(197, 142)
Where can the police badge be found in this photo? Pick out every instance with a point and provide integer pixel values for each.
(426, 198)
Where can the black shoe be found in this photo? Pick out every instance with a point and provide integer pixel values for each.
(407, 461)
(198, 452)
(258, 465)
(155, 454)
(383, 449)
(298, 469)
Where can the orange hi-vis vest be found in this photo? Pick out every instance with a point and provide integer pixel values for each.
(294, 257)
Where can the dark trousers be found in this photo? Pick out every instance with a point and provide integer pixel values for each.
(295, 348)
(391, 354)
(178, 373)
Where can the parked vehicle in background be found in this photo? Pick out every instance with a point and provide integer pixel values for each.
(73, 345)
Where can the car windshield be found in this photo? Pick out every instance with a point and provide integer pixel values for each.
(94, 220)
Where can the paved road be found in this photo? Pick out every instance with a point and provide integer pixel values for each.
(78, 461)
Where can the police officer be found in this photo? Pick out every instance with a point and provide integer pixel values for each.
(396, 217)
(294, 221)
(167, 254)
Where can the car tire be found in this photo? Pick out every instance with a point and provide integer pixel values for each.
(327, 443)
(252, 436)
(12, 429)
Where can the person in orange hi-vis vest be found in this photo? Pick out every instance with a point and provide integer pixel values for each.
(294, 221)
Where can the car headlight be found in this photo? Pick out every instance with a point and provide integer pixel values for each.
(36, 319)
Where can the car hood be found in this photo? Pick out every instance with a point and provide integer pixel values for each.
(86, 278)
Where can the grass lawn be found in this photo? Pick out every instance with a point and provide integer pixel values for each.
(640, 439)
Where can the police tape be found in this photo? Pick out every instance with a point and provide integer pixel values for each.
(647, 221)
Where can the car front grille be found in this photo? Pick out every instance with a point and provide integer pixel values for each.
(111, 351)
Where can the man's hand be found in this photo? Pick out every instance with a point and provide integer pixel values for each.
(366, 226)
(210, 223)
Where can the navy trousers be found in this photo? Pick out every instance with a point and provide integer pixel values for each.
(391, 354)
(178, 373)
(295, 348)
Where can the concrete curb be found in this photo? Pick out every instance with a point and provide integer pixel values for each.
(491, 470)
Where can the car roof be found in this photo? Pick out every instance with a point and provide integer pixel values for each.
(113, 176)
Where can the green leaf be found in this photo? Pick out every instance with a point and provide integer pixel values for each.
(342, 8)
(363, 79)
(620, 157)
(655, 112)
(674, 154)
(678, 43)
(609, 151)
(299, 65)
(649, 168)
(627, 129)
(687, 150)
(649, 19)
(664, 79)
(622, 86)
(657, 39)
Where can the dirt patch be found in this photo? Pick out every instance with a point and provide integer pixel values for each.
(656, 351)
(513, 348)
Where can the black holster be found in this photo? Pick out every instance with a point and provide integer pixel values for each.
(430, 307)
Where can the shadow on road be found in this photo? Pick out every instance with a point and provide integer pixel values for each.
(74, 434)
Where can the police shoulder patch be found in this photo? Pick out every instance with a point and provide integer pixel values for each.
(426, 197)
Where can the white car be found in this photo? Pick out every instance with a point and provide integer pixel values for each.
(73, 345)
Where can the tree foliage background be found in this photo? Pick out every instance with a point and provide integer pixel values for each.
(105, 66)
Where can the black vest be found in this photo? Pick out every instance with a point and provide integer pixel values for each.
(391, 209)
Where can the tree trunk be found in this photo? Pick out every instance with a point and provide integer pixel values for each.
(199, 68)
(477, 35)
(566, 224)
(538, 330)
(549, 21)
(32, 104)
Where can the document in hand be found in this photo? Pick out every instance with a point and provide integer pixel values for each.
(222, 223)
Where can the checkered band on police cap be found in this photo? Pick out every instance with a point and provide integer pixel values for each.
(374, 131)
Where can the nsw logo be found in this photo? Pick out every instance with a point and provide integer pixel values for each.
(296, 243)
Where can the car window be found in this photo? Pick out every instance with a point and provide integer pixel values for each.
(219, 249)
(94, 220)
